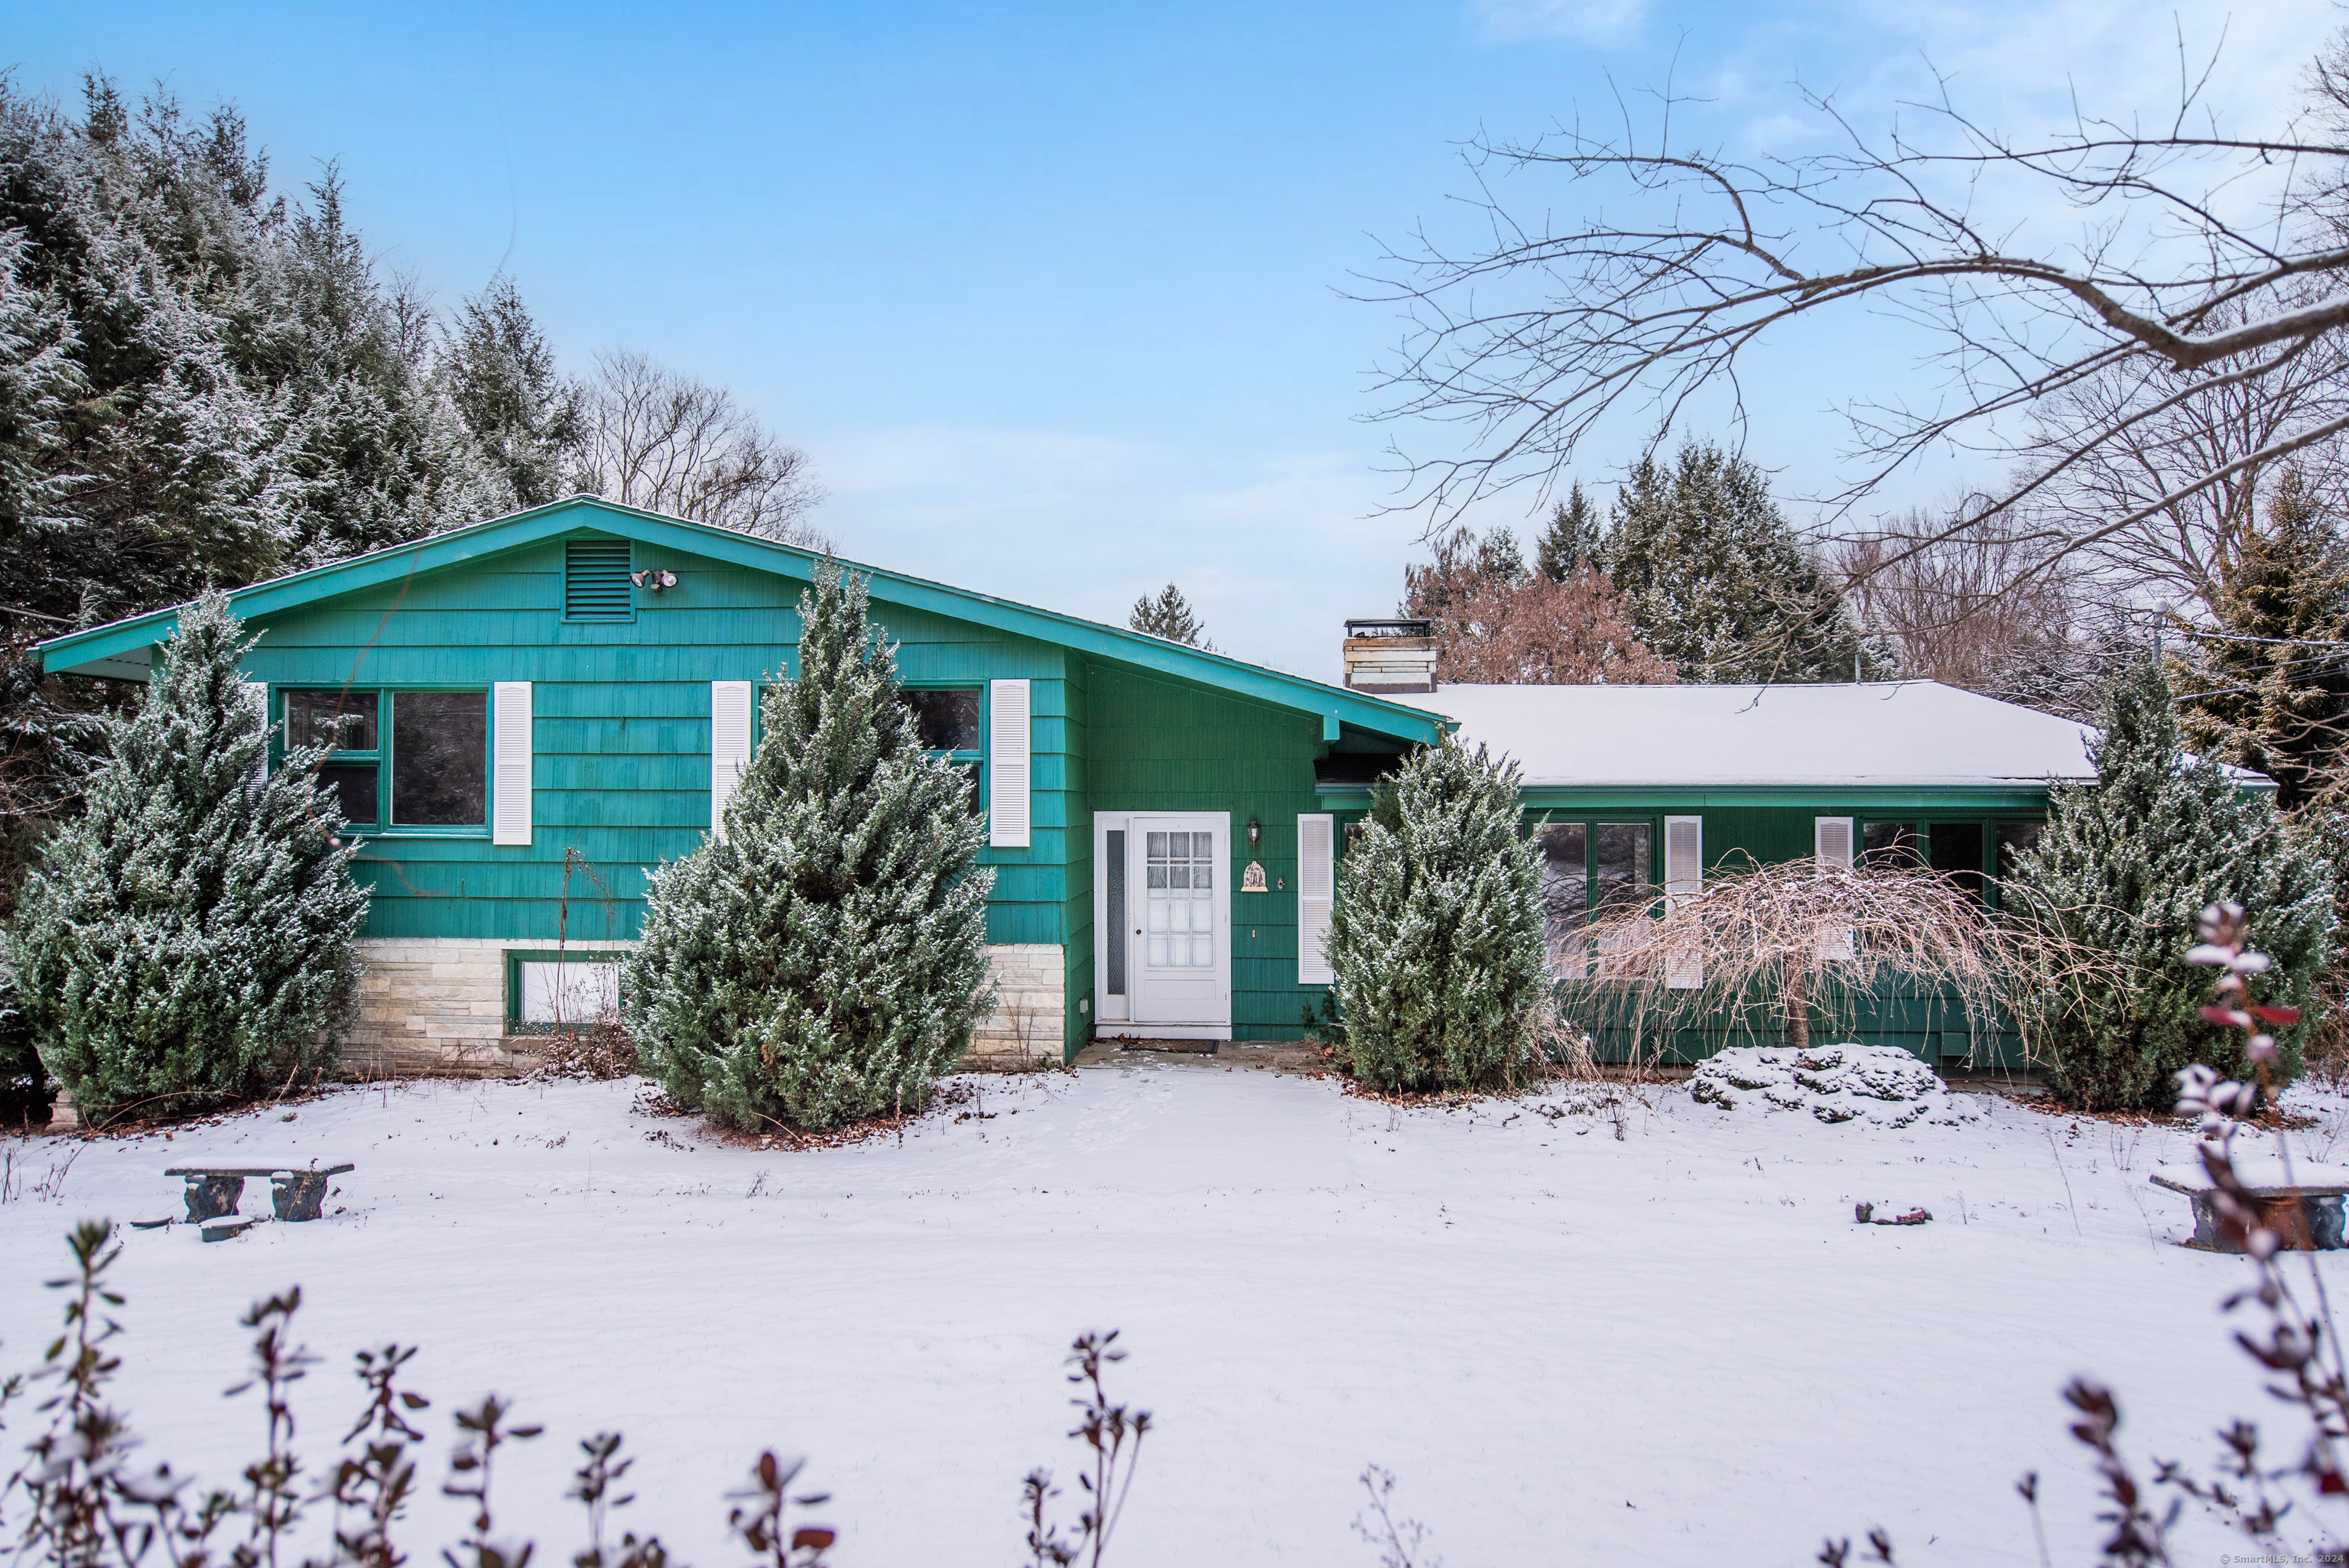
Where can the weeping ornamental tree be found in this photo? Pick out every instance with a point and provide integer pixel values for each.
(194, 935)
(2125, 866)
(1436, 936)
(824, 957)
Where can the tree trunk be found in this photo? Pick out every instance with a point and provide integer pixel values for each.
(1795, 995)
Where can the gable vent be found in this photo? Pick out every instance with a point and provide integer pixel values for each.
(595, 584)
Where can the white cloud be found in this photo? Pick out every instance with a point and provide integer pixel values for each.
(1604, 23)
(1274, 555)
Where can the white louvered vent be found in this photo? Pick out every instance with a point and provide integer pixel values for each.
(729, 746)
(1317, 888)
(1683, 878)
(1831, 839)
(256, 693)
(509, 812)
(1009, 763)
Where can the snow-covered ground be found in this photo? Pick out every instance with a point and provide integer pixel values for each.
(1670, 1346)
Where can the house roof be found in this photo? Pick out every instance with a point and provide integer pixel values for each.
(1906, 735)
(119, 649)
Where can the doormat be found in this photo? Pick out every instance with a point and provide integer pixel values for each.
(1184, 1047)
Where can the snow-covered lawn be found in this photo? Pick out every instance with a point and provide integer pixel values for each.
(1671, 1347)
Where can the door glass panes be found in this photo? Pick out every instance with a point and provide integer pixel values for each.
(1178, 889)
(1620, 867)
(354, 787)
(2016, 839)
(1565, 881)
(345, 720)
(949, 720)
(439, 759)
(1888, 846)
(1114, 854)
(1955, 850)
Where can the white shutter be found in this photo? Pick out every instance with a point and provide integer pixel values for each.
(257, 693)
(1831, 845)
(729, 746)
(1317, 889)
(1008, 764)
(1683, 878)
(510, 813)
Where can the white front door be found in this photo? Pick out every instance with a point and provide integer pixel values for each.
(1163, 910)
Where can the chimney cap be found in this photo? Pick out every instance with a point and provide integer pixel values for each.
(1391, 626)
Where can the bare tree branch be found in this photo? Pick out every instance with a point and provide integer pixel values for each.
(2204, 265)
(663, 441)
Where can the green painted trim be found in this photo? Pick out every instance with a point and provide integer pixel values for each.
(1217, 672)
(1955, 800)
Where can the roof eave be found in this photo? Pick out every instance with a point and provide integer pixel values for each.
(86, 652)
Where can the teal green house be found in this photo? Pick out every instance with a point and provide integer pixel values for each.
(531, 712)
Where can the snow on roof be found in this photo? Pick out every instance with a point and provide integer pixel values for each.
(1892, 734)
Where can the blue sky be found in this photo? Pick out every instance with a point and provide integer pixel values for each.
(1052, 293)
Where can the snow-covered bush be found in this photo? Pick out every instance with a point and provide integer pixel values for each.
(1437, 934)
(1876, 1084)
(2124, 868)
(194, 934)
(824, 957)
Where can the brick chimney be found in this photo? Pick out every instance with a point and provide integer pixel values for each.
(1396, 655)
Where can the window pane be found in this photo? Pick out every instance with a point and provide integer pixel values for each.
(1888, 846)
(1955, 850)
(947, 720)
(1566, 878)
(1620, 866)
(339, 718)
(1115, 935)
(2016, 839)
(439, 761)
(353, 787)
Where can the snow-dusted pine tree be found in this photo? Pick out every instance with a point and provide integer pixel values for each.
(2268, 690)
(1571, 541)
(1720, 583)
(1170, 616)
(824, 957)
(2123, 868)
(194, 935)
(1437, 934)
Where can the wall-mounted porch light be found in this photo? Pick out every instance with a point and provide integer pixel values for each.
(1256, 832)
(653, 580)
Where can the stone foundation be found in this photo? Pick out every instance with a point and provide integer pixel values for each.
(436, 1007)
(1030, 1006)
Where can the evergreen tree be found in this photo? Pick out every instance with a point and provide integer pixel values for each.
(384, 455)
(1436, 937)
(500, 372)
(824, 957)
(192, 936)
(1719, 584)
(1572, 540)
(2124, 866)
(1169, 617)
(1498, 557)
(2270, 691)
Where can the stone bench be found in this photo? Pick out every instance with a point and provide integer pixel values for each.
(2303, 1209)
(297, 1188)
